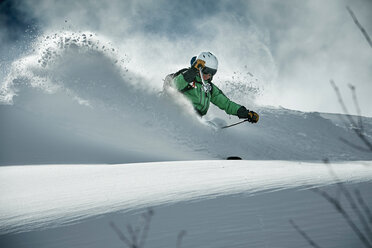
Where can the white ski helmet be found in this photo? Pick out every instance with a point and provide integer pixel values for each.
(211, 62)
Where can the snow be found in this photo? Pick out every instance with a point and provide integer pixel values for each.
(38, 200)
(71, 192)
(86, 141)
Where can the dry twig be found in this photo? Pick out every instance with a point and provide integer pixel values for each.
(304, 235)
(357, 128)
(364, 32)
(135, 241)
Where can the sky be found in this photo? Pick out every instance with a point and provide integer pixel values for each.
(293, 48)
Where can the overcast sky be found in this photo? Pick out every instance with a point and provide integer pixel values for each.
(293, 47)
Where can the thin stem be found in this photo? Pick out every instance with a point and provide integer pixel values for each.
(357, 128)
(366, 209)
(120, 234)
(132, 234)
(180, 237)
(336, 204)
(147, 217)
(343, 106)
(354, 145)
(304, 234)
(364, 32)
(355, 99)
(351, 201)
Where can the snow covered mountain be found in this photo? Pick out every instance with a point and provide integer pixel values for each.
(73, 106)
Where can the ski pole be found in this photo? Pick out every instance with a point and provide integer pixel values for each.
(234, 124)
(207, 87)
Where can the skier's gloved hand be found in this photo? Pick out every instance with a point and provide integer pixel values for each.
(190, 74)
(193, 71)
(244, 113)
(199, 63)
(253, 117)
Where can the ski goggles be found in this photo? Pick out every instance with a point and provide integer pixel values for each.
(207, 70)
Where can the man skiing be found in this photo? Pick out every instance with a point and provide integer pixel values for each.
(196, 85)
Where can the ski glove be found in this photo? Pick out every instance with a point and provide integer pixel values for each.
(193, 71)
(251, 116)
(190, 74)
(199, 63)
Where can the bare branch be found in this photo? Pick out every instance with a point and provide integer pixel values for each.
(355, 207)
(354, 145)
(366, 209)
(336, 204)
(133, 235)
(146, 228)
(304, 235)
(364, 32)
(356, 128)
(355, 99)
(341, 101)
(364, 139)
(360, 121)
(180, 237)
(351, 201)
(120, 234)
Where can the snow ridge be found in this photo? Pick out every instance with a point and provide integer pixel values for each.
(39, 197)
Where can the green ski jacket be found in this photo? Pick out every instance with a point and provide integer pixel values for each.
(200, 99)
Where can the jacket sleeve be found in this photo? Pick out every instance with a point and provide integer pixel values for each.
(219, 99)
(179, 82)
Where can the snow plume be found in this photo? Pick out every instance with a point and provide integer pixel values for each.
(160, 41)
(56, 57)
(78, 88)
(243, 87)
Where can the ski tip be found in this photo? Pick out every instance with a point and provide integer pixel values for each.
(234, 158)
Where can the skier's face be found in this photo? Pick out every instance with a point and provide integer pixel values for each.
(207, 76)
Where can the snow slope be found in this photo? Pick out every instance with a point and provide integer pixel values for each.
(38, 200)
(74, 95)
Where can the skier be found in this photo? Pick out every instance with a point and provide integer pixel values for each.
(196, 84)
